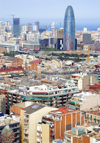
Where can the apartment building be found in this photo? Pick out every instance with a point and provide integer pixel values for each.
(96, 72)
(44, 94)
(83, 134)
(93, 88)
(84, 100)
(93, 115)
(8, 72)
(53, 124)
(59, 73)
(3, 104)
(16, 108)
(29, 120)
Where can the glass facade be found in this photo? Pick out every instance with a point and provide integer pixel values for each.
(16, 27)
(69, 30)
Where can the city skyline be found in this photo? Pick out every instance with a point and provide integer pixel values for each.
(86, 13)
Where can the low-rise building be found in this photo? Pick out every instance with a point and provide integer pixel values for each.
(93, 115)
(83, 134)
(84, 100)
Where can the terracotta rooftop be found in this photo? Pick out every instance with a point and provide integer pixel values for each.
(11, 69)
(36, 62)
(94, 112)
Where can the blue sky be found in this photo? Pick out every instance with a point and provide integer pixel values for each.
(86, 11)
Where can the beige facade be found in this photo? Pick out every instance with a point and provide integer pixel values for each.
(82, 82)
(95, 118)
(93, 80)
(45, 133)
(90, 102)
(29, 124)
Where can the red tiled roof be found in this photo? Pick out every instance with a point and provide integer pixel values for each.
(36, 62)
(95, 86)
(94, 112)
(11, 69)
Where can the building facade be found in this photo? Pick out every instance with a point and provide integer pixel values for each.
(53, 125)
(87, 38)
(16, 27)
(29, 120)
(69, 30)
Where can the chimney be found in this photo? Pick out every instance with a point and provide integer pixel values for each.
(77, 132)
(63, 109)
(85, 130)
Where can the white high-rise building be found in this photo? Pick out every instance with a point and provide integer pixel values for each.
(85, 30)
(52, 26)
(24, 28)
(7, 23)
(35, 28)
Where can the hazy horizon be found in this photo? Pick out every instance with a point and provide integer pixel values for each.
(45, 11)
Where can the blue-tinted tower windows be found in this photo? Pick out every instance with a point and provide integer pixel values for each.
(16, 27)
(69, 30)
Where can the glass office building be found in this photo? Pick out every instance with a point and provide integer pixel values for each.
(16, 27)
(69, 30)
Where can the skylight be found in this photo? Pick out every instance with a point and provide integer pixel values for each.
(35, 106)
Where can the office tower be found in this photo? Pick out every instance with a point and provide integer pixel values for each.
(69, 30)
(38, 24)
(87, 38)
(59, 44)
(16, 27)
(24, 28)
(29, 27)
(35, 28)
(52, 26)
(75, 44)
(7, 23)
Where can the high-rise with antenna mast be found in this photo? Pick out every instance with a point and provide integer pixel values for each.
(16, 27)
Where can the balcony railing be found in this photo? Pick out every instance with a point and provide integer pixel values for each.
(47, 119)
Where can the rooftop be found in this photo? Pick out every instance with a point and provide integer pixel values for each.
(36, 62)
(33, 108)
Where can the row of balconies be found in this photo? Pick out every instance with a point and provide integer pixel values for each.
(26, 136)
(26, 120)
(26, 126)
(15, 127)
(39, 134)
(26, 131)
(25, 141)
(39, 140)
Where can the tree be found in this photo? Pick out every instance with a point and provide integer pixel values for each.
(7, 136)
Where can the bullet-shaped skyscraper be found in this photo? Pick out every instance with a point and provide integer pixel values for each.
(69, 30)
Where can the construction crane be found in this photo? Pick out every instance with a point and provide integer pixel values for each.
(88, 59)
